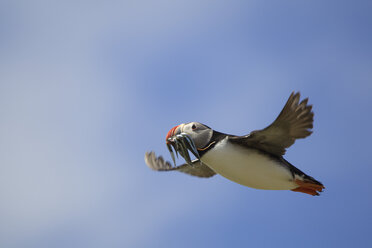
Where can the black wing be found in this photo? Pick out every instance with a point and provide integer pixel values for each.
(198, 169)
(294, 122)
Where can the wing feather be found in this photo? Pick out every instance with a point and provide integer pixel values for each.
(159, 164)
(295, 121)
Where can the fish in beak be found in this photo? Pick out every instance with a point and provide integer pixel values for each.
(181, 143)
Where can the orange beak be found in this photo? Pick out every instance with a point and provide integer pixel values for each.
(171, 133)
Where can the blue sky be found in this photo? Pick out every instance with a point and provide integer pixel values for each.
(87, 87)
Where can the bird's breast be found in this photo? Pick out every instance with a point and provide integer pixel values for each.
(248, 167)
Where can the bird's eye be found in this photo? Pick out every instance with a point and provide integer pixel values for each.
(193, 127)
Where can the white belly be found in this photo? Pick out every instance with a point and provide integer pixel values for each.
(248, 167)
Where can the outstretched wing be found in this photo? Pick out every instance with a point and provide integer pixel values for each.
(198, 169)
(294, 122)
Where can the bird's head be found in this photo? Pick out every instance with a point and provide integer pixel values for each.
(199, 133)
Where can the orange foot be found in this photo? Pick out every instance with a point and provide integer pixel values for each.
(308, 187)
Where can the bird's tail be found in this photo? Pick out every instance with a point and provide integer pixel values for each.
(306, 184)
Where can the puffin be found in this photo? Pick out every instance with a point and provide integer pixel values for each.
(254, 160)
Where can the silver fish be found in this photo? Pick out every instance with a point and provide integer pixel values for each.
(182, 144)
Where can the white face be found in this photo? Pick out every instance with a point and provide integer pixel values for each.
(198, 132)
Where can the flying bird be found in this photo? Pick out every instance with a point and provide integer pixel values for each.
(254, 160)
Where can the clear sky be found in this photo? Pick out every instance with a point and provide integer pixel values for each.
(87, 87)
